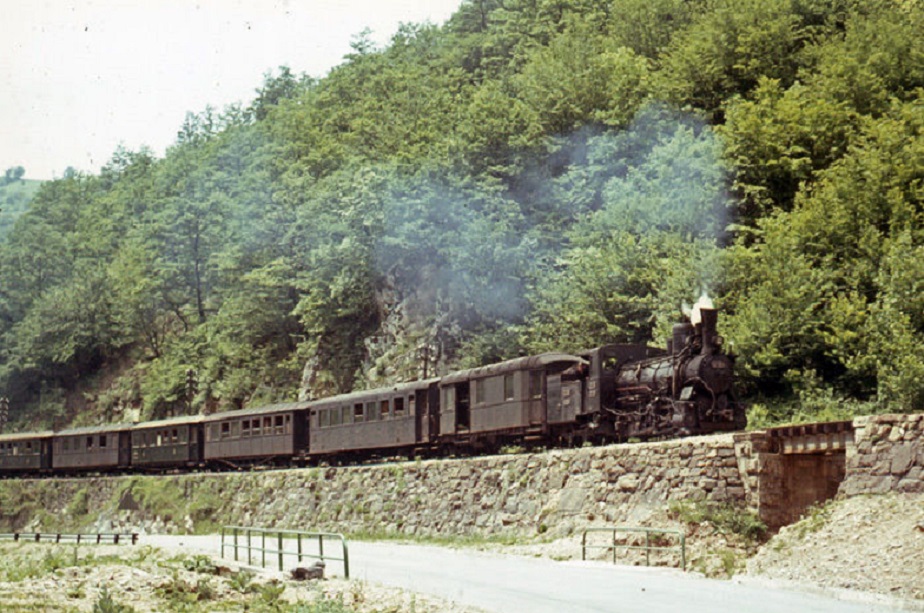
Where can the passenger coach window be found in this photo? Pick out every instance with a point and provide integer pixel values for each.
(335, 417)
(371, 413)
(324, 419)
(255, 427)
(102, 441)
(358, 414)
(479, 391)
(245, 428)
(535, 385)
(384, 406)
(279, 424)
(508, 387)
(225, 430)
(399, 407)
(89, 442)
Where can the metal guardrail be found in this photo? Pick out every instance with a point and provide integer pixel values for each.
(55, 537)
(647, 548)
(282, 537)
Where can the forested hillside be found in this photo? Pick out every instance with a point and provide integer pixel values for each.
(15, 194)
(532, 174)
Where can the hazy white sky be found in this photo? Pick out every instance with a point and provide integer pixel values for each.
(80, 77)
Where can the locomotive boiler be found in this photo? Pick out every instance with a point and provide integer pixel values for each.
(684, 390)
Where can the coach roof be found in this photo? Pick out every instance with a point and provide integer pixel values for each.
(531, 362)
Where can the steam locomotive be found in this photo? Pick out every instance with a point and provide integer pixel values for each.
(609, 393)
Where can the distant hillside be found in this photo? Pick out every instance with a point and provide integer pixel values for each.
(14, 199)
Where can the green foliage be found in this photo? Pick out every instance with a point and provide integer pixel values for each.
(15, 195)
(107, 604)
(533, 174)
(183, 595)
(324, 604)
(725, 518)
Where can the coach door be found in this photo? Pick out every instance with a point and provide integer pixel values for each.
(45, 460)
(125, 448)
(537, 412)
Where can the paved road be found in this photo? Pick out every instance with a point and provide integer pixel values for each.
(510, 584)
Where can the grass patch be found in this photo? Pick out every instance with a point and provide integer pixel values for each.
(725, 518)
(814, 519)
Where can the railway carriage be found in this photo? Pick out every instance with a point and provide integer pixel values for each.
(93, 448)
(609, 393)
(169, 443)
(30, 452)
(275, 433)
(403, 416)
(510, 399)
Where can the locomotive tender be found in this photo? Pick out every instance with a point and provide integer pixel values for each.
(609, 393)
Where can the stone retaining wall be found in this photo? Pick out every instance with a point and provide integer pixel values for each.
(557, 492)
(887, 455)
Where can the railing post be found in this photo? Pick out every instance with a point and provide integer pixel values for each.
(249, 551)
(647, 548)
(263, 549)
(321, 546)
(346, 558)
(683, 552)
(299, 547)
(235, 544)
(279, 548)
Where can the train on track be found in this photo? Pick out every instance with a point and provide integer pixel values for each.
(609, 393)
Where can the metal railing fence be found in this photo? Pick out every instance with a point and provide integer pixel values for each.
(681, 547)
(100, 538)
(254, 540)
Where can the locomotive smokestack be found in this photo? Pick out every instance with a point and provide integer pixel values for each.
(709, 319)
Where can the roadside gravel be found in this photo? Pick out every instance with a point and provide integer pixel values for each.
(45, 577)
(867, 543)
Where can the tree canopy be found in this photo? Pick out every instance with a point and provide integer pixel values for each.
(533, 174)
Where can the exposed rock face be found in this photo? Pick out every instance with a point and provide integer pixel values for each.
(417, 338)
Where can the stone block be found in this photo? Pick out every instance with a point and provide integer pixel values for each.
(903, 457)
(572, 500)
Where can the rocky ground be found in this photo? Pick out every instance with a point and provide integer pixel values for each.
(867, 543)
(871, 544)
(42, 577)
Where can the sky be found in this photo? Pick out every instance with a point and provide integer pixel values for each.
(80, 78)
